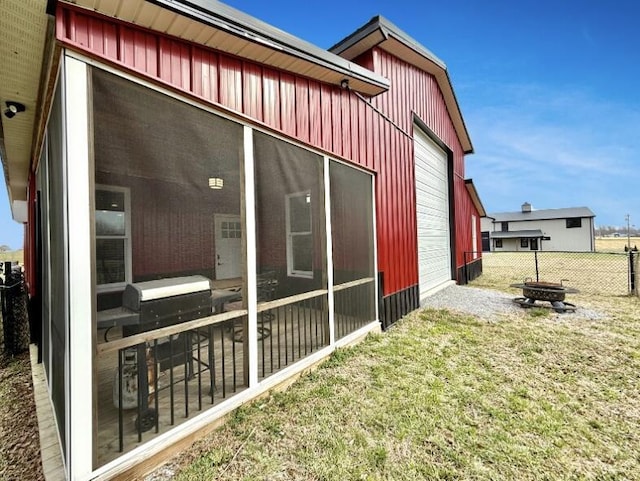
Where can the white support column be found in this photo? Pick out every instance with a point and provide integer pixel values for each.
(80, 341)
(374, 227)
(250, 241)
(327, 213)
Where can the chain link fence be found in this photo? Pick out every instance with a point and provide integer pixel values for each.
(14, 335)
(593, 273)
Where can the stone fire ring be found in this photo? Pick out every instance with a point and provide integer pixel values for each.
(544, 291)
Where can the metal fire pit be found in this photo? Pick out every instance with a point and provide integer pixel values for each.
(545, 291)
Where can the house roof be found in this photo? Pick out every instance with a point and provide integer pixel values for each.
(26, 31)
(380, 32)
(517, 234)
(542, 214)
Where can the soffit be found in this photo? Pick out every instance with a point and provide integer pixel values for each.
(223, 28)
(23, 28)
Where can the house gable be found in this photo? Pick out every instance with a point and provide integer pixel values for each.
(380, 34)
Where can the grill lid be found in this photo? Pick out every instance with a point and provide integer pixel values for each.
(138, 292)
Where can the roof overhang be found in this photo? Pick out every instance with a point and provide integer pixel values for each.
(475, 198)
(518, 234)
(23, 42)
(26, 43)
(381, 33)
(213, 24)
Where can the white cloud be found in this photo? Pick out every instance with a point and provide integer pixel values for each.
(554, 148)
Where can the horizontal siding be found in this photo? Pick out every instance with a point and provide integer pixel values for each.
(323, 116)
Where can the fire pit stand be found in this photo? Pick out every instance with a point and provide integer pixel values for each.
(552, 292)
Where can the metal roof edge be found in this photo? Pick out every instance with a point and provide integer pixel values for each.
(227, 18)
(388, 29)
(439, 70)
(475, 197)
(544, 214)
(354, 38)
(392, 30)
(515, 234)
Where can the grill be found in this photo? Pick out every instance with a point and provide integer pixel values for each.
(165, 302)
(552, 292)
(147, 306)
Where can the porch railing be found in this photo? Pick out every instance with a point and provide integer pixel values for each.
(290, 329)
(151, 381)
(354, 305)
(163, 376)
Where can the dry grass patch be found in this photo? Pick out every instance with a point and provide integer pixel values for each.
(590, 272)
(444, 396)
(14, 256)
(615, 244)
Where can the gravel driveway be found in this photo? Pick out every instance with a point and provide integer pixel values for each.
(491, 305)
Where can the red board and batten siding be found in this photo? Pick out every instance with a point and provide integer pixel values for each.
(321, 115)
(414, 91)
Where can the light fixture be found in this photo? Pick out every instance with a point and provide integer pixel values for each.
(344, 83)
(216, 183)
(13, 108)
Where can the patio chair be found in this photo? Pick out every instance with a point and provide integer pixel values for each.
(266, 284)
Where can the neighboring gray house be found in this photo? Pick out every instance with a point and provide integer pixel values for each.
(570, 229)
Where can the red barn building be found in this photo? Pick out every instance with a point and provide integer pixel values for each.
(212, 206)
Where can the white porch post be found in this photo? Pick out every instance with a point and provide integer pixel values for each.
(327, 213)
(377, 294)
(80, 342)
(250, 241)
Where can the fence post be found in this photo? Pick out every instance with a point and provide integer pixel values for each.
(633, 289)
(535, 255)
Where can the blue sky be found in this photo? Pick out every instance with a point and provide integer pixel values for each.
(548, 90)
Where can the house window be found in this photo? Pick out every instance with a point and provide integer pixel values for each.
(499, 243)
(113, 243)
(505, 226)
(299, 235)
(574, 222)
(524, 243)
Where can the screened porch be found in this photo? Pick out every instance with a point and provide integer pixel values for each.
(223, 256)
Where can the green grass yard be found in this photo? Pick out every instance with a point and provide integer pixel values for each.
(443, 396)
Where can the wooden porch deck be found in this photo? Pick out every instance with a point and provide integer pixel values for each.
(50, 454)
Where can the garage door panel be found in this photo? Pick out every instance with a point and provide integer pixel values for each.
(432, 209)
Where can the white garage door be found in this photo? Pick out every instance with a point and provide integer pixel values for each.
(432, 197)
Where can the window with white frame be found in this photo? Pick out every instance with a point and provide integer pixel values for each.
(113, 232)
(299, 235)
